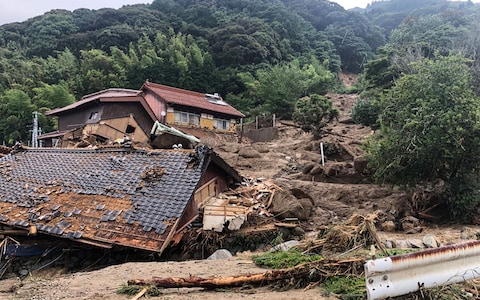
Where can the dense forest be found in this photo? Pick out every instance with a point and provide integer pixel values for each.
(418, 62)
(261, 55)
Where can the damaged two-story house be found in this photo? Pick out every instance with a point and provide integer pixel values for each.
(182, 108)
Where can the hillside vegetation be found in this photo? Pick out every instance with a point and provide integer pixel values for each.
(417, 61)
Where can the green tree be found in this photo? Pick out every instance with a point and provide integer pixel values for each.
(430, 130)
(16, 110)
(313, 113)
(100, 71)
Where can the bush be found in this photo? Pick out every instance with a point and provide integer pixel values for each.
(313, 113)
(366, 112)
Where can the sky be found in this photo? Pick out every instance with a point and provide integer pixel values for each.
(21, 10)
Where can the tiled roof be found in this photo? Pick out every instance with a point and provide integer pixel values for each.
(189, 98)
(108, 196)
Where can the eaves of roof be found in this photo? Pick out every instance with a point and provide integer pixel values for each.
(102, 96)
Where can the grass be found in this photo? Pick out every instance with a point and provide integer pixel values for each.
(284, 259)
(132, 290)
(347, 287)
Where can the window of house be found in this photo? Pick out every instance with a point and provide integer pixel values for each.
(187, 118)
(221, 124)
(93, 115)
(130, 129)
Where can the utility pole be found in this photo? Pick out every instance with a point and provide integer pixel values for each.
(35, 130)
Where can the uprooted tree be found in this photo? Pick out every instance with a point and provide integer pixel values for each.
(429, 131)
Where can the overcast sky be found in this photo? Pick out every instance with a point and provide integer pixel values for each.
(21, 10)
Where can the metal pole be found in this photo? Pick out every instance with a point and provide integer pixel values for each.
(35, 130)
(321, 151)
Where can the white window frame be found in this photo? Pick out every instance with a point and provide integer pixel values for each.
(221, 124)
(182, 117)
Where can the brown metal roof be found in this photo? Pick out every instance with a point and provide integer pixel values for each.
(173, 95)
(127, 197)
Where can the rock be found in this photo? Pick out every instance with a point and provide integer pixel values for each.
(301, 194)
(298, 231)
(307, 209)
(465, 234)
(306, 169)
(388, 226)
(430, 241)
(402, 244)
(285, 246)
(406, 226)
(360, 164)
(285, 205)
(220, 254)
(316, 170)
(417, 243)
(23, 272)
(411, 224)
(249, 152)
(414, 230)
(261, 148)
(333, 170)
(389, 244)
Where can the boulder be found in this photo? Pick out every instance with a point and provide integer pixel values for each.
(430, 241)
(360, 164)
(333, 170)
(316, 170)
(285, 246)
(220, 254)
(261, 148)
(285, 205)
(307, 209)
(307, 168)
(388, 226)
(249, 152)
(402, 244)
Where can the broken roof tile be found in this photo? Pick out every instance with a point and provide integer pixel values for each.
(80, 193)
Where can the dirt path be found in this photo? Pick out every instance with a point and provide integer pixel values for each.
(102, 284)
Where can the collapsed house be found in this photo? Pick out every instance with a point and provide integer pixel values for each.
(101, 117)
(110, 197)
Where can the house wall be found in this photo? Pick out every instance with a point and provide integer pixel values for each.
(213, 176)
(116, 110)
(102, 111)
(77, 118)
(114, 129)
(215, 172)
(206, 119)
(156, 104)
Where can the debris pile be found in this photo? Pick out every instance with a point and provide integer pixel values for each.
(231, 209)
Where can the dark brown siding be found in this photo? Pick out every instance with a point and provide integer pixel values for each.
(77, 118)
(116, 110)
(212, 172)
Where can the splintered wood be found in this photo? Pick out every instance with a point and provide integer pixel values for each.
(253, 197)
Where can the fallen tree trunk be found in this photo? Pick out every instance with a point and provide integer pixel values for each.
(313, 271)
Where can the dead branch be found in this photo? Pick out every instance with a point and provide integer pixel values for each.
(322, 268)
